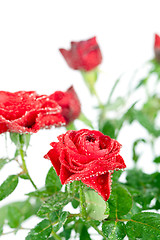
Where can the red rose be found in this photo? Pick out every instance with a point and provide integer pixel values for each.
(23, 112)
(157, 47)
(83, 55)
(69, 102)
(88, 156)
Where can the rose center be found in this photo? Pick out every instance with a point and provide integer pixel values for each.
(90, 138)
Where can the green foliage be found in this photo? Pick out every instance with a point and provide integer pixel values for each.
(116, 175)
(14, 217)
(144, 120)
(54, 203)
(15, 213)
(3, 213)
(157, 160)
(136, 156)
(52, 182)
(15, 138)
(20, 139)
(97, 208)
(144, 187)
(8, 186)
(84, 235)
(120, 201)
(40, 193)
(41, 232)
(114, 230)
(61, 221)
(145, 225)
(66, 233)
(3, 161)
(108, 129)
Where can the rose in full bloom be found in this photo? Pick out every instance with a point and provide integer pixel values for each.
(86, 155)
(83, 55)
(69, 103)
(27, 112)
(157, 47)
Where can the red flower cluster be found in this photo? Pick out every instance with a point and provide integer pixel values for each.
(83, 55)
(157, 47)
(25, 112)
(69, 102)
(86, 155)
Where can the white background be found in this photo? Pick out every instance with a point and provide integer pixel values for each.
(31, 32)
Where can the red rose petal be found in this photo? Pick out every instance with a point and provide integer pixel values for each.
(53, 155)
(101, 184)
(64, 174)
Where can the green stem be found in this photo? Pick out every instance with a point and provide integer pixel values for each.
(55, 235)
(82, 201)
(98, 98)
(25, 167)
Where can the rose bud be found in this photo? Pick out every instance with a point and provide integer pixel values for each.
(157, 47)
(83, 55)
(28, 112)
(86, 155)
(69, 103)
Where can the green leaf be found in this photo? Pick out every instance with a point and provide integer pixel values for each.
(41, 232)
(26, 208)
(142, 82)
(96, 206)
(22, 139)
(15, 213)
(27, 139)
(143, 119)
(114, 230)
(67, 231)
(14, 217)
(108, 129)
(3, 161)
(120, 201)
(135, 155)
(52, 182)
(157, 160)
(54, 203)
(134, 210)
(3, 213)
(116, 175)
(15, 138)
(75, 203)
(40, 193)
(8, 186)
(24, 176)
(61, 221)
(84, 235)
(146, 186)
(53, 216)
(145, 225)
(85, 120)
